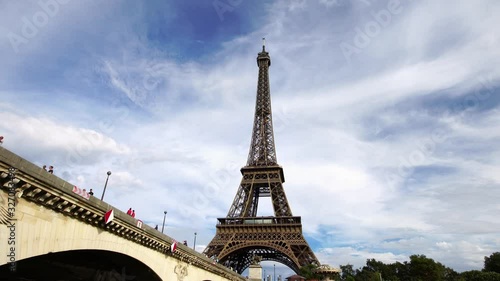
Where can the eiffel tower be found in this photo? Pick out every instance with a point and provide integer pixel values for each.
(242, 235)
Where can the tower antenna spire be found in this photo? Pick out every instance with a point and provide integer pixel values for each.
(263, 44)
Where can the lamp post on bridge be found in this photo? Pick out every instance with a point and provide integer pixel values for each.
(164, 216)
(274, 267)
(105, 185)
(194, 244)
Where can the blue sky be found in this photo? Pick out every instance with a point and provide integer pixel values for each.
(386, 114)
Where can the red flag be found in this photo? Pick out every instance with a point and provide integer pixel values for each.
(173, 247)
(109, 216)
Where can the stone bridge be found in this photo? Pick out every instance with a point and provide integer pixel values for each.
(51, 230)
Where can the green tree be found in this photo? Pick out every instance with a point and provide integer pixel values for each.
(387, 271)
(476, 275)
(419, 268)
(451, 275)
(308, 272)
(402, 270)
(366, 274)
(492, 263)
(347, 272)
(423, 269)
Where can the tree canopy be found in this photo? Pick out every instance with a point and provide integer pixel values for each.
(420, 268)
(492, 263)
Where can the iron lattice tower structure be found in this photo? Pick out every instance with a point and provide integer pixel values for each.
(242, 234)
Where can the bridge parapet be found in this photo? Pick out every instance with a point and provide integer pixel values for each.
(42, 188)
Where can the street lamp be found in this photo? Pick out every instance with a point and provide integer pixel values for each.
(163, 226)
(194, 244)
(106, 184)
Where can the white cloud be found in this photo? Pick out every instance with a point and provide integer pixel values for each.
(78, 144)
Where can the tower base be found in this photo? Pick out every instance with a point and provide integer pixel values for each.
(238, 240)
